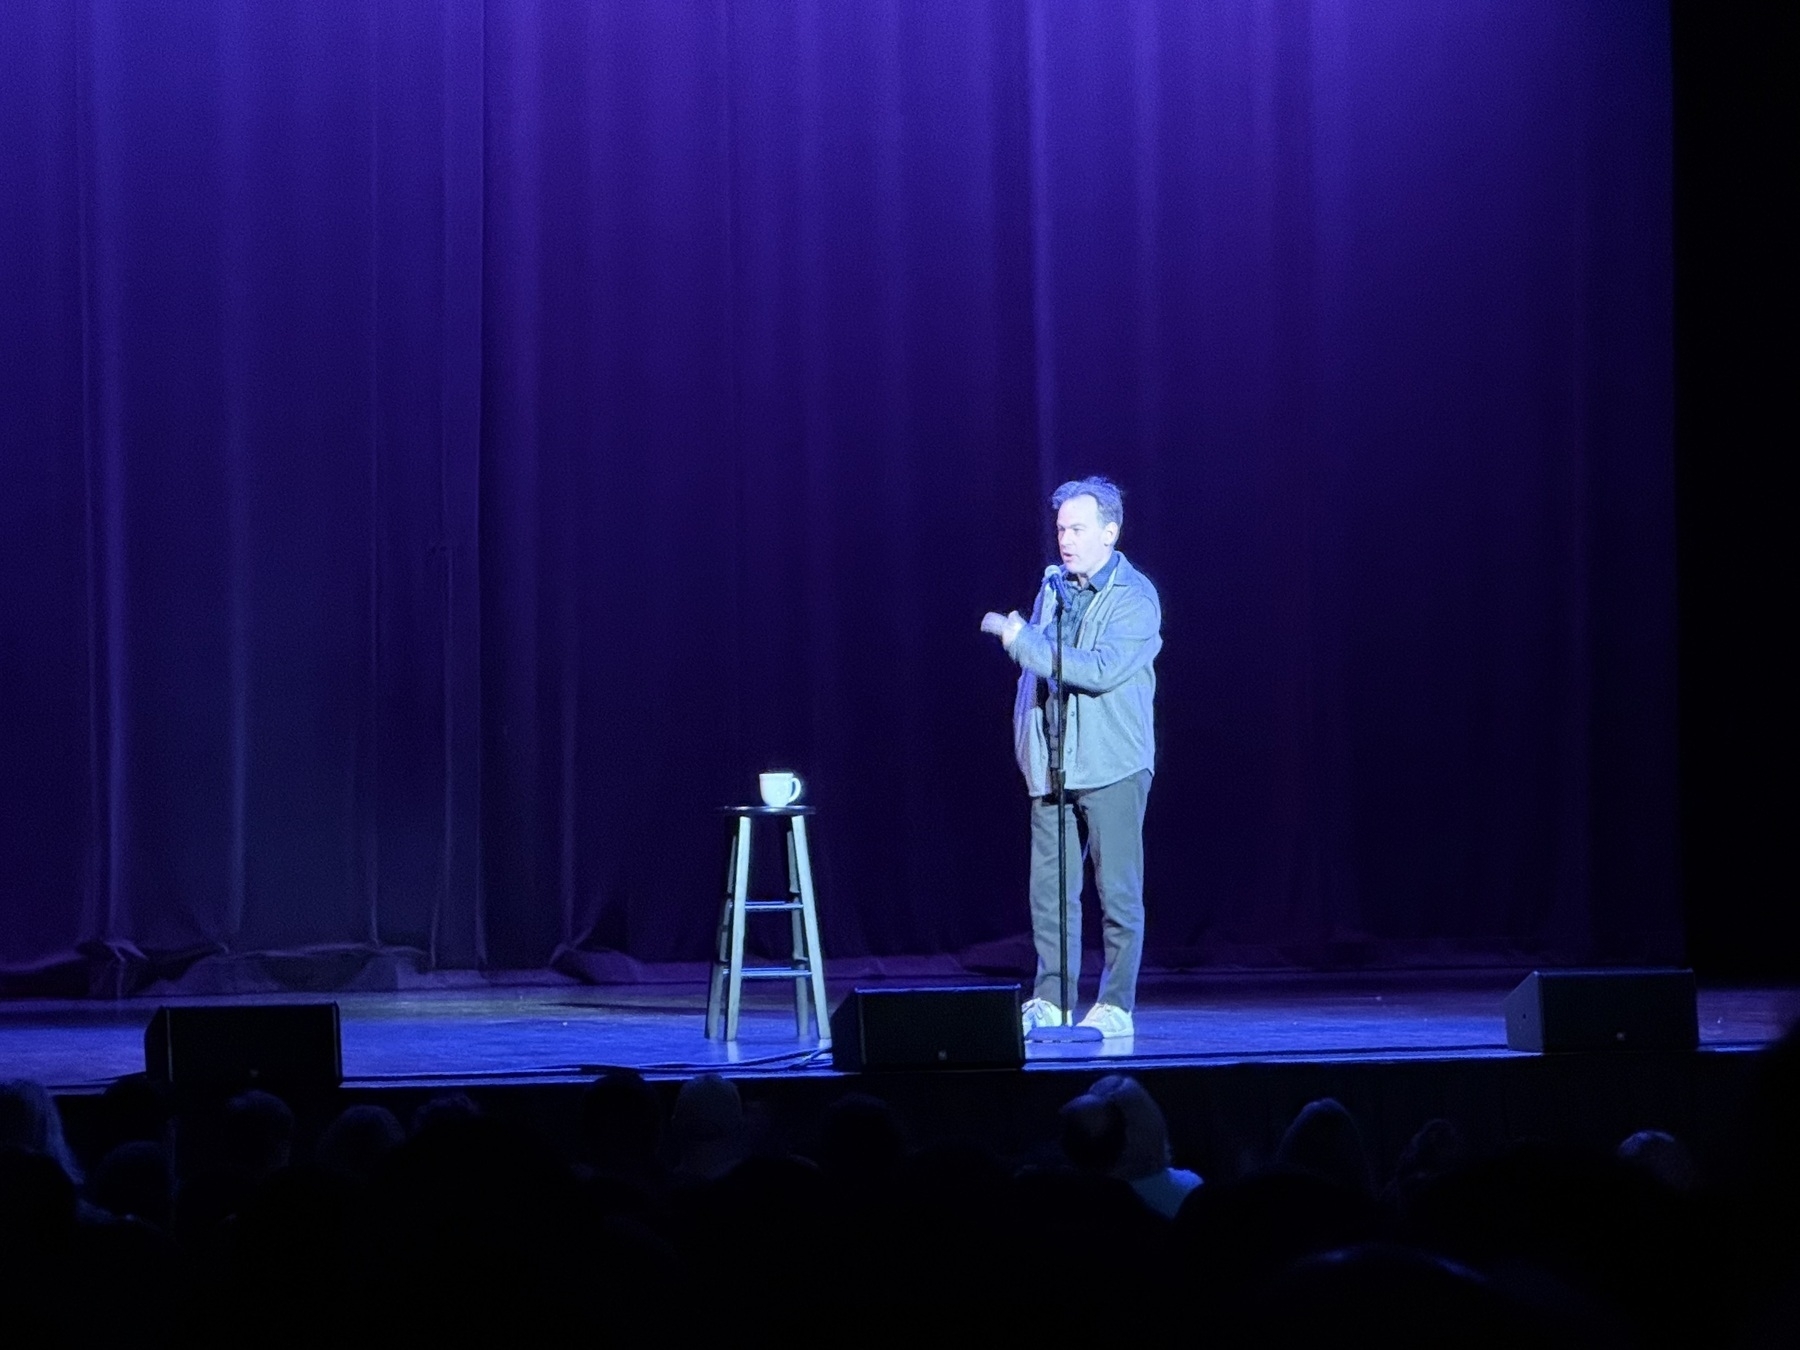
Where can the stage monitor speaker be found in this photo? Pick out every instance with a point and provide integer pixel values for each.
(962, 1028)
(1556, 1010)
(226, 1046)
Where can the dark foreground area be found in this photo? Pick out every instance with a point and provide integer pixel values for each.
(674, 1210)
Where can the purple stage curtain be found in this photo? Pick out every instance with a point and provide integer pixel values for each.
(448, 448)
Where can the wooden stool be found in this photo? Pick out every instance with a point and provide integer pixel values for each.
(806, 968)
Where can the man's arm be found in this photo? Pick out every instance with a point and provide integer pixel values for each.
(1007, 627)
(1133, 638)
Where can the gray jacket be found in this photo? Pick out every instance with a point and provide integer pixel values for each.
(1108, 666)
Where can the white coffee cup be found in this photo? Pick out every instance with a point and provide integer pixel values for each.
(778, 789)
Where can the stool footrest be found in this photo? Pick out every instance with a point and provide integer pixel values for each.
(798, 972)
(771, 906)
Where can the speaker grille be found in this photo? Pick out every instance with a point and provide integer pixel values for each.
(227, 1046)
(958, 1028)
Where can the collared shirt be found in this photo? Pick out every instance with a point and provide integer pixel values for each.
(1081, 596)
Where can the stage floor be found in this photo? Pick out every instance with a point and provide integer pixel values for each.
(551, 1033)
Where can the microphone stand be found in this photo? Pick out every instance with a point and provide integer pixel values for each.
(1059, 710)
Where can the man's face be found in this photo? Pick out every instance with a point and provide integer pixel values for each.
(1084, 543)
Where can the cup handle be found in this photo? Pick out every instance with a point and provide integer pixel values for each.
(793, 791)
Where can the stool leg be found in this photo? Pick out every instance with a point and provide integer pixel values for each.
(740, 894)
(810, 915)
(801, 1021)
(715, 985)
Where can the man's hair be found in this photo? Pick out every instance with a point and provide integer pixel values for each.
(1105, 493)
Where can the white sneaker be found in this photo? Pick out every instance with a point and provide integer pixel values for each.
(1112, 1021)
(1040, 1012)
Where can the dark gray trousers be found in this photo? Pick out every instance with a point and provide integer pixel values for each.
(1110, 820)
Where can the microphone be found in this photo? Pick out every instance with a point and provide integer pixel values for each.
(1059, 582)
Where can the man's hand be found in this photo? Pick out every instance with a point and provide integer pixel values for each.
(1006, 627)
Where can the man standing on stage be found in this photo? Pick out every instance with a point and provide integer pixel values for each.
(1111, 635)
